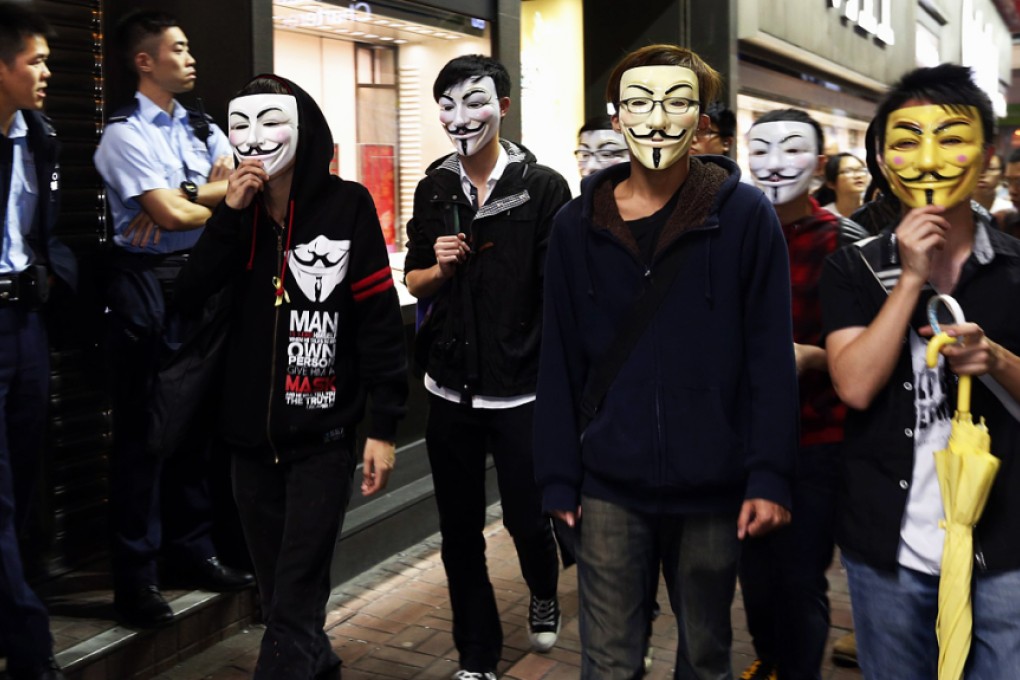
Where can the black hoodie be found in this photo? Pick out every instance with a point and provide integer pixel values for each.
(298, 374)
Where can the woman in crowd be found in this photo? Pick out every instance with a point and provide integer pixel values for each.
(846, 178)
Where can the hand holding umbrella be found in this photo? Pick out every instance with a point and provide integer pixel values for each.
(966, 470)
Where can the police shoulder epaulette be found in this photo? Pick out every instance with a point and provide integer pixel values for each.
(123, 113)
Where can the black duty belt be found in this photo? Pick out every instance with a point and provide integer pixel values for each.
(29, 288)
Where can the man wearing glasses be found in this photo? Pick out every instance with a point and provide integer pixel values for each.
(599, 146)
(717, 136)
(690, 447)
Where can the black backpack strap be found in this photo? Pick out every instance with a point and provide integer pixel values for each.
(200, 122)
(601, 377)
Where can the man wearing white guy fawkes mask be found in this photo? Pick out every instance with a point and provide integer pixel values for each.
(475, 258)
(599, 146)
(934, 131)
(314, 342)
(264, 127)
(688, 447)
(782, 575)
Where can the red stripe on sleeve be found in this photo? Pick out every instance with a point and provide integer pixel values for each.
(372, 279)
(374, 290)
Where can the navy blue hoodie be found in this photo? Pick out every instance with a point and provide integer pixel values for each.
(704, 412)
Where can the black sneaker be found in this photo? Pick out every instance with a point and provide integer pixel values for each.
(543, 623)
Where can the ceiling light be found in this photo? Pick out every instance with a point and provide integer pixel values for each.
(399, 41)
(371, 35)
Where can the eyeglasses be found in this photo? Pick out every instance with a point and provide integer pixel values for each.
(671, 105)
(854, 172)
(1012, 181)
(585, 155)
(706, 134)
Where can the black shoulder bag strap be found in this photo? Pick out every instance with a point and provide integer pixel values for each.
(601, 377)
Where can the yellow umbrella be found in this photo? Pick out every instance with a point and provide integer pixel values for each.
(966, 470)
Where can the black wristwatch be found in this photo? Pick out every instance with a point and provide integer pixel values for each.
(190, 190)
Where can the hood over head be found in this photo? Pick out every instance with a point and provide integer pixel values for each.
(315, 141)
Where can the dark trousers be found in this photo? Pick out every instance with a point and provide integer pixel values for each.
(782, 574)
(156, 506)
(620, 554)
(24, 390)
(458, 438)
(292, 513)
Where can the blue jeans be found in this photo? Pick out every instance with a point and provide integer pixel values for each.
(894, 619)
(782, 574)
(618, 562)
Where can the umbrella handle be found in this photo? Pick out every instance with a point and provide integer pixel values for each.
(951, 304)
(940, 339)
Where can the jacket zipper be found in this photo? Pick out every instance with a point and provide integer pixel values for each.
(272, 354)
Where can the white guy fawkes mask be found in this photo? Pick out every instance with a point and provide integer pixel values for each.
(659, 113)
(469, 112)
(598, 149)
(264, 126)
(783, 158)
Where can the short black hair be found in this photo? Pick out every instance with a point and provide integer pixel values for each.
(265, 83)
(795, 116)
(947, 85)
(18, 22)
(476, 66)
(722, 118)
(596, 123)
(1014, 156)
(136, 27)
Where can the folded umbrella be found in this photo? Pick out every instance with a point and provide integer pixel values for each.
(966, 469)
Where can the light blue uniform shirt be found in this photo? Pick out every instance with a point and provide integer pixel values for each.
(154, 150)
(21, 202)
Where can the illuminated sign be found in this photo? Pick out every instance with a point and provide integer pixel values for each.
(322, 16)
(874, 17)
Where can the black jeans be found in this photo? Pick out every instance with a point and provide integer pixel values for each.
(782, 574)
(292, 513)
(458, 438)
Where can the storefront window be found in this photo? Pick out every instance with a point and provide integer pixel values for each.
(370, 66)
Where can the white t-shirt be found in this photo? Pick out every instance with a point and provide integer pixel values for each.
(921, 538)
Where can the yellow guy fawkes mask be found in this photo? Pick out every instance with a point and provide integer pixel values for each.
(933, 154)
(659, 113)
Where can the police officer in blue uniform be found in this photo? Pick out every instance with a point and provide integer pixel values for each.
(30, 259)
(164, 169)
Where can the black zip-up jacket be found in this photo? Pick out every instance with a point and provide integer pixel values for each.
(481, 335)
(45, 147)
(878, 449)
(298, 373)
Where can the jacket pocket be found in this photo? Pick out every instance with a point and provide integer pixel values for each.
(700, 447)
(620, 444)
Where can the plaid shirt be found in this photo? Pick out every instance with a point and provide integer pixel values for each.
(809, 241)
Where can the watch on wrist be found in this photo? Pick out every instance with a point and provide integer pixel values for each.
(190, 190)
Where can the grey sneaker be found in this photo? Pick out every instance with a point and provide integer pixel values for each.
(543, 623)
